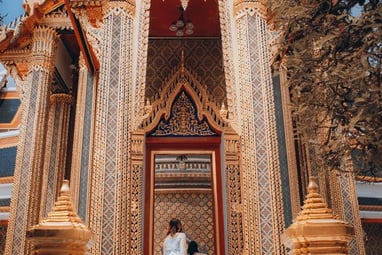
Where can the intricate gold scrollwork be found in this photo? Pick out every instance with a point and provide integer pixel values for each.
(183, 120)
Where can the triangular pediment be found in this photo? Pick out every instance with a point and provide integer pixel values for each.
(183, 120)
(183, 109)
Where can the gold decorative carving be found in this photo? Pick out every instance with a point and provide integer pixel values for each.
(60, 98)
(112, 177)
(182, 121)
(184, 80)
(44, 41)
(251, 7)
(137, 145)
(62, 231)
(94, 14)
(234, 194)
(57, 18)
(134, 193)
(223, 112)
(139, 93)
(317, 230)
(56, 143)
(227, 47)
(148, 108)
(128, 5)
(17, 62)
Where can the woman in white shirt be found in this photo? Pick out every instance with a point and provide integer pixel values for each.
(175, 242)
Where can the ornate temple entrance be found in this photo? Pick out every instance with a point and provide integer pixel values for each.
(186, 142)
(131, 101)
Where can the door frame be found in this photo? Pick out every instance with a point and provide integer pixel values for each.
(210, 145)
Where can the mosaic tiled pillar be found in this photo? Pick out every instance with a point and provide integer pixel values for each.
(82, 139)
(234, 191)
(133, 212)
(25, 205)
(263, 214)
(345, 205)
(290, 147)
(225, 19)
(55, 150)
(110, 175)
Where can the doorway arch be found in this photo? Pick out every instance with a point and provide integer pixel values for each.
(183, 120)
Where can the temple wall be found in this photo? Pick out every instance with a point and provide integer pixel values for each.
(202, 56)
(195, 212)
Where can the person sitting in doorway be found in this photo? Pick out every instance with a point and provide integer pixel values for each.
(193, 249)
(175, 242)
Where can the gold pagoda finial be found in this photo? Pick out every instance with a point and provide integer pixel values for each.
(316, 230)
(62, 231)
(314, 205)
(63, 209)
(182, 64)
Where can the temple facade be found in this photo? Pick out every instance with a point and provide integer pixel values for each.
(156, 110)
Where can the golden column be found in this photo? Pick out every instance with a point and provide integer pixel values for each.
(263, 213)
(62, 232)
(110, 181)
(344, 202)
(81, 138)
(317, 230)
(55, 150)
(25, 203)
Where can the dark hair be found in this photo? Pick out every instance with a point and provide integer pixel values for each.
(192, 248)
(174, 226)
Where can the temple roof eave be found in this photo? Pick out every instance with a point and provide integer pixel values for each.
(23, 26)
(17, 36)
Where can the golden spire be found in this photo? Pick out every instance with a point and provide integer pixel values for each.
(62, 231)
(314, 205)
(316, 230)
(63, 208)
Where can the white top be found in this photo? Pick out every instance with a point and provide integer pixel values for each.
(175, 245)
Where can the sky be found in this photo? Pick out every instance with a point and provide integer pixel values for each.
(11, 9)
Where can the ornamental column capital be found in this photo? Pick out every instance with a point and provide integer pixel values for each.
(249, 6)
(92, 12)
(128, 5)
(43, 46)
(60, 98)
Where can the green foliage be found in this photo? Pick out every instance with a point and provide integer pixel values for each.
(332, 51)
